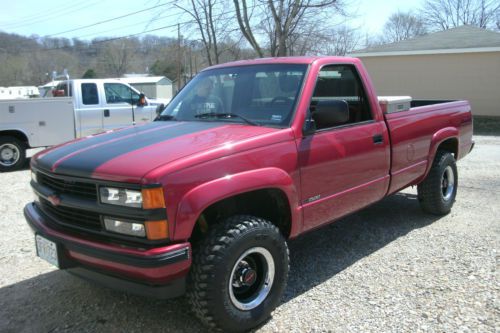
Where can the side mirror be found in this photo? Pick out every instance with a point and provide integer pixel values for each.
(330, 113)
(142, 100)
(159, 109)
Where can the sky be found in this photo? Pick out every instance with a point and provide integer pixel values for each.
(68, 18)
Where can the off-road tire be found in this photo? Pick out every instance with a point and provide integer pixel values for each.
(430, 191)
(20, 148)
(214, 259)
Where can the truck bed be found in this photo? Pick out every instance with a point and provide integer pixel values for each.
(415, 132)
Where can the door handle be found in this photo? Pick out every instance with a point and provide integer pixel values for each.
(106, 113)
(378, 139)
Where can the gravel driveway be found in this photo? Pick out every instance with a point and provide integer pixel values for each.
(387, 268)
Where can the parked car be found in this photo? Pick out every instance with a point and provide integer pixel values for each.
(86, 107)
(247, 156)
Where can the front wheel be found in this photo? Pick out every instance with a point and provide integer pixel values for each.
(239, 274)
(438, 190)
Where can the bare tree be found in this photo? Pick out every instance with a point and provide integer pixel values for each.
(281, 21)
(498, 20)
(117, 56)
(401, 26)
(343, 41)
(211, 22)
(337, 41)
(446, 14)
(243, 18)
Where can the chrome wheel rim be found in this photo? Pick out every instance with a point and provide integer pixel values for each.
(9, 154)
(251, 278)
(447, 183)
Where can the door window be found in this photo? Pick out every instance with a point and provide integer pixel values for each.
(342, 83)
(120, 93)
(89, 94)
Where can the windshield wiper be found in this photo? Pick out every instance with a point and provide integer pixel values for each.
(227, 115)
(165, 117)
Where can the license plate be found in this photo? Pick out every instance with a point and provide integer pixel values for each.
(46, 250)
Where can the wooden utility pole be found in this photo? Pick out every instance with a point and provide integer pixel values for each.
(179, 59)
(190, 62)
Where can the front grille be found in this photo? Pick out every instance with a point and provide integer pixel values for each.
(62, 186)
(71, 217)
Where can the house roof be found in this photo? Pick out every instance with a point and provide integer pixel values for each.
(462, 39)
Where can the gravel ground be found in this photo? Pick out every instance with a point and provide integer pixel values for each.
(388, 268)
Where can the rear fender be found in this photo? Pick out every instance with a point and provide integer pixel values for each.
(198, 199)
(437, 139)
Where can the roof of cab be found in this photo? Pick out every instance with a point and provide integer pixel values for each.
(277, 60)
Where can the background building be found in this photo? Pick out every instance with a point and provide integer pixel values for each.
(459, 63)
(159, 87)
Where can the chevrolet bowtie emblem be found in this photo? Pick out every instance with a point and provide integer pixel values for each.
(54, 200)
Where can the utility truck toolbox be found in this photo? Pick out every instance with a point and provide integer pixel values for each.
(391, 104)
(247, 156)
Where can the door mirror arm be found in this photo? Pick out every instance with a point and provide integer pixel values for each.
(309, 127)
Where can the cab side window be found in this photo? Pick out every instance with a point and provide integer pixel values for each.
(63, 89)
(89, 94)
(120, 93)
(341, 85)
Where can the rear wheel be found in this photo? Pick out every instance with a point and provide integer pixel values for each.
(438, 191)
(239, 274)
(12, 153)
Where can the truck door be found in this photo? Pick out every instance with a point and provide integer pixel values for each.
(88, 110)
(343, 167)
(121, 107)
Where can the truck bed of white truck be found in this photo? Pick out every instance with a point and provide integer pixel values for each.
(44, 121)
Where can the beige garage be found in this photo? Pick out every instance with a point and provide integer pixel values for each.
(460, 63)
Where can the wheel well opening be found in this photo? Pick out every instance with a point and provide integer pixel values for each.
(16, 134)
(450, 145)
(269, 204)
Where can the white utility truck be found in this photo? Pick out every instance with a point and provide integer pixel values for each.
(88, 106)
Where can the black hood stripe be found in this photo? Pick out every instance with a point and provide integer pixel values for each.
(83, 159)
(46, 161)
(107, 142)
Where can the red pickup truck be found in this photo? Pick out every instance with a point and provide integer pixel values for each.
(247, 156)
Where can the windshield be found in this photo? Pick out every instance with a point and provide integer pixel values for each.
(260, 94)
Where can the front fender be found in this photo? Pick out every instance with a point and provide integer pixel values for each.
(438, 138)
(199, 198)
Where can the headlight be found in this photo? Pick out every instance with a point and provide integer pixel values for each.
(121, 197)
(123, 227)
(34, 177)
(148, 198)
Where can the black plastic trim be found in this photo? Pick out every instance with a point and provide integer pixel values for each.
(102, 235)
(172, 289)
(103, 209)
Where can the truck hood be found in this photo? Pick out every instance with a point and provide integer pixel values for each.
(128, 154)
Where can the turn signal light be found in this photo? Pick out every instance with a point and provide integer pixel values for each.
(153, 198)
(156, 230)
